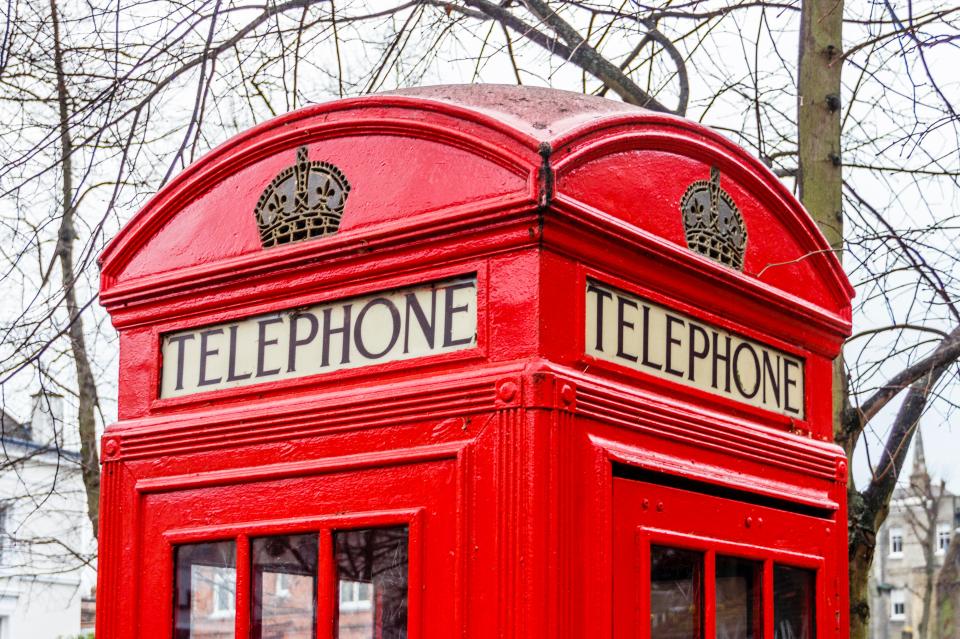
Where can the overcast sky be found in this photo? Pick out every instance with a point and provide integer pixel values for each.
(942, 439)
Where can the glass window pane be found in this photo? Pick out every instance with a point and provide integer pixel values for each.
(284, 583)
(738, 598)
(205, 591)
(372, 577)
(793, 613)
(676, 593)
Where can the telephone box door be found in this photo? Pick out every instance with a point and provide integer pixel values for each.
(695, 561)
(327, 551)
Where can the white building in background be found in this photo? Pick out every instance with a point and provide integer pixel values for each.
(45, 534)
(897, 582)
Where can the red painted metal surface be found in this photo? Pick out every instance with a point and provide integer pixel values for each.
(501, 457)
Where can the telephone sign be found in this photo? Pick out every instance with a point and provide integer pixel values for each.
(384, 327)
(628, 330)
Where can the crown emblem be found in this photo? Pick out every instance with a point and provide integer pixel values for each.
(713, 224)
(303, 201)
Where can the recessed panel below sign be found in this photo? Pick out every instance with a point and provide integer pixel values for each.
(634, 332)
(384, 327)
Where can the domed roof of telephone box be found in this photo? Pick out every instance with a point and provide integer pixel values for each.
(430, 159)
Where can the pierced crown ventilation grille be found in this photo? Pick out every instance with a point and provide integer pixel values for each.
(712, 222)
(304, 201)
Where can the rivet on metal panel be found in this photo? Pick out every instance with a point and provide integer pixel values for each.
(749, 522)
(507, 391)
(659, 506)
(841, 469)
(111, 447)
(568, 394)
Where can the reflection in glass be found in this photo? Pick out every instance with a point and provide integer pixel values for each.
(205, 591)
(676, 593)
(284, 584)
(793, 590)
(738, 601)
(372, 577)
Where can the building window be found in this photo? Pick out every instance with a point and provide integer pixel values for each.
(224, 594)
(943, 538)
(205, 577)
(356, 595)
(898, 611)
(5, 545)
(896, 542)
(282, 584)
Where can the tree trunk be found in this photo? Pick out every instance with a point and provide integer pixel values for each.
(861, 560)
(948, 592)
(820, 180)
(87, 399)
(932, 507)
(924, 627)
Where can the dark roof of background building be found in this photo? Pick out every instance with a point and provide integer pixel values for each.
(14, 432)
(11, 428)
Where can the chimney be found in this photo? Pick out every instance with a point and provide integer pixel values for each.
(46, 419)
(919, 476)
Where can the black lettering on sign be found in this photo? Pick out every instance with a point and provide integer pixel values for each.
(427, 328)
(178, 341)
(771, 374)
(394, 327)
(206, 352)
(672, 341)
(646, 341)
(725, 358)
(676, 347)
(753, 368)
(343, 330)
(697, 353)
(232, 374)
(601, 296)
(622, 323)
(432, 318)
(450, 312)
(263, 343)
(296, 341)
(789, 381)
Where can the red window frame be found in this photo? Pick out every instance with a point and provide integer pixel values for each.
(327, 586)
(647, 514)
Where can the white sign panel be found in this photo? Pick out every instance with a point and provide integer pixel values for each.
(384, 327)
(634, 332)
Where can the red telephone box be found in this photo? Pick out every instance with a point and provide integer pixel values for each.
(479, 362)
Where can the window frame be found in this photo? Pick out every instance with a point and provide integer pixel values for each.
(205, 574)
(327, 588)
(898, 598)
(217, 609)
(649, 513)
(944, 531)
(355, 603)
(895, 533)
(769, 556)
(7, 546)
(280, 589)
